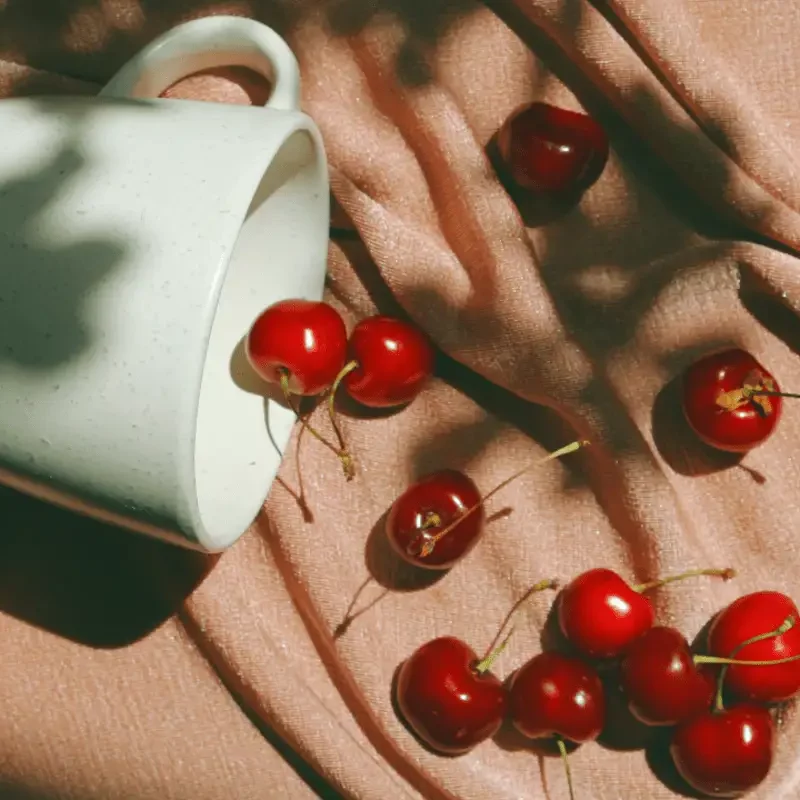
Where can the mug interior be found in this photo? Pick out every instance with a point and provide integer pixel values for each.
(280, 252)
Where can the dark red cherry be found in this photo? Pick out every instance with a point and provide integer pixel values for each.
(725, 753)
(750, 616)
(557, 695)
(722, 404)
(552, 151)
(392, 360)
(661, 681)
(303, 340)
(427, 508)
(447, 698)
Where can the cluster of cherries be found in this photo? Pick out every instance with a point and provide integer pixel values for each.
(721, 743)
(446, 694)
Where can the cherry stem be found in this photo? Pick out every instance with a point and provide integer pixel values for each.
(785, 626)
(767, 393)
(485, 664)
(430, 543)
(562, 749)
(341, 453)
(345, 371)
(726, 574)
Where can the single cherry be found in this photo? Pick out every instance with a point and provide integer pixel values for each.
(730, 401)
(427, 508)
(661, 680)
(552, 151)
(389, 362)
(601, 614)
(449, 697)
(558, 697)
(440, 518)
(554, 695)
(752, 617)
(298, 344)
(724, 753)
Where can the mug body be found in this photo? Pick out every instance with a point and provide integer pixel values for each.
(139, 239)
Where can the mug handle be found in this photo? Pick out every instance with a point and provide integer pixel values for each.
(209, 43)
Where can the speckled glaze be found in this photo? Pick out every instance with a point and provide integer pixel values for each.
(139, 239)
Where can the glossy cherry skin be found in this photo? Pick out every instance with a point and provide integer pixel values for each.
(448, 494)
(600, 614)
(446, 701)
(557, 695)
(736, 430)
(662, 683)
(749, 616)
(394, 358)
(552, 151)
(724, 754)
(308, 339)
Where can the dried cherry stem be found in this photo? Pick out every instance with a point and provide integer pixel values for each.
(430, 543)
(765, 393)
(785, 626)
(345, 371)
(726, 574)
(562, 749)
(341, 453)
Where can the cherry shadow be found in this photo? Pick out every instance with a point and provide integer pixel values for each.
(353, 613)
(389, 570)
(622, 732)
(348, 407)
(677, 444)
(86, 581)
(659, 760)
(551, 637)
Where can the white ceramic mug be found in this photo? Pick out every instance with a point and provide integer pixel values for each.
(139, 239)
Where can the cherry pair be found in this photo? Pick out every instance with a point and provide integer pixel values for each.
(453, 702)
(302, 345)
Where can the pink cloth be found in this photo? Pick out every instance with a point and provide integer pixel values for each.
(578, 327)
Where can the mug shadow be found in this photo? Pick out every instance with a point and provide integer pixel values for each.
(88, 582)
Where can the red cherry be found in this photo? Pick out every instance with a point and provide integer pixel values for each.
(302, 341)
(661, 681)
(428, 507)
(600, 614)
(449, 698)
(725, 753)
(722, 404)
(439, 519)
(748, 617)
(390, 361)
(557, 695)
(551, 150)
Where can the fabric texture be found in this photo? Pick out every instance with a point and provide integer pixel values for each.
(135, 671)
